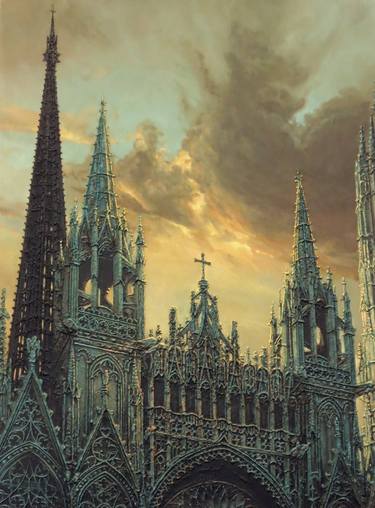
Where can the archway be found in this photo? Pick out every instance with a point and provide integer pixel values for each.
(218, 476)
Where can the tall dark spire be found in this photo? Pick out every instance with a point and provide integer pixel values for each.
(44, 230)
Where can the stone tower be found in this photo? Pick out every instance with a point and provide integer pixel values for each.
(365, 209)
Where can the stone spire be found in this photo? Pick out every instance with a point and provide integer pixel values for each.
(304, 260)
(3, 319)
(44, 230)
(100, 194)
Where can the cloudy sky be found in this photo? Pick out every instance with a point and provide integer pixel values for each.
(212, 106)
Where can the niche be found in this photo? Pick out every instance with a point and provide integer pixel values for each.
(206, 401)
(220, 403)
(174, 388)
(249, 409)
(235, 407)
(278, 408)
(264, 413)
(191, 394)
(159, 391)
(321, 332)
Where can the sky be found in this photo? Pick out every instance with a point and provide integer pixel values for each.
(212, 105)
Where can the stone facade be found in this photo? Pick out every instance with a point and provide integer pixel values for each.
(117, 419)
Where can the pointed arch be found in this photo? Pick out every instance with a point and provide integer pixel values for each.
(215, 464)
(106, 370)
(104, 467)
(31, 478)
(105, 487)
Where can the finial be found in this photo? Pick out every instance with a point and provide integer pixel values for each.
(372, 107)
(33, 348)
(248, 356)
(299, 177)
(204, 263)
(362, 143)
(140, 239)
(344, 285)
(329, 275)
(104, 389)
(102, 106)
(74, 213)
(2, 304)
(51, 54)
(53, 11)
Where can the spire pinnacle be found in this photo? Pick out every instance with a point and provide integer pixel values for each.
(362, 156)
(100, 189)
(304, 258)
(51, 55)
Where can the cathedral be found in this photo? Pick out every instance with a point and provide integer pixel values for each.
(95, 413)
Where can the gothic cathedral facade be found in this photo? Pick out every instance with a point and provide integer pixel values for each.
(94, 413)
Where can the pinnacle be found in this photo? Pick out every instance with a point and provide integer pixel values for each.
(304, 258)
(100, 192)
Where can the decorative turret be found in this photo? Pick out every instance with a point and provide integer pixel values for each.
(308, 311)
(44, 231)
(104, 273)
(100, 194)
(4, 371)
(4, 316)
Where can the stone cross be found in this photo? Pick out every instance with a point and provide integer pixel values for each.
(204, 263)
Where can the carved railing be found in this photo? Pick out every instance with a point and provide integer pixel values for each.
(104, 322)
(194, 427)
(319, 369)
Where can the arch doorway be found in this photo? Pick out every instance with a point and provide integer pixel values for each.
(218, 484)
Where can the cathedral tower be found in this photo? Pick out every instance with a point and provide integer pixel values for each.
(44, 231)
(101, 272)
(365, 209)
(317, 349)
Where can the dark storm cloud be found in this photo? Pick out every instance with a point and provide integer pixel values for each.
(245, 147)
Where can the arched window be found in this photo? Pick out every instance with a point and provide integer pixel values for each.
(220, 403)
(174, 388)
(264, 412)
(292, 420)
(307, 332)
(104, 491)
(249, 409)
(206, 401)
(235, 400)
(105, 281)
(29, 481)
(106, 384)
(191, 395)
(321, 333)
(330, 435)
(278, 408)
(159, 391)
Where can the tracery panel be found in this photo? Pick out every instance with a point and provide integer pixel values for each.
(28, 483)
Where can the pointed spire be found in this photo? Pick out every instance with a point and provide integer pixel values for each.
(51, 55)
(4, 316)
(100, 190)
(44, 230)
(304, 258)
(362, 154)
(347, 305)
(140, 245)
(234, 341)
